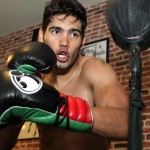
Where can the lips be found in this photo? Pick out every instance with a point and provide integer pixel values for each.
(62, 56)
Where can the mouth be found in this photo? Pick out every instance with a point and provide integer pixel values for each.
(62, 56)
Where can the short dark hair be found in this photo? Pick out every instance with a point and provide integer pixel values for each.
(66, 7)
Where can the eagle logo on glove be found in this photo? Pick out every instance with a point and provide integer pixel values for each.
(26, 83)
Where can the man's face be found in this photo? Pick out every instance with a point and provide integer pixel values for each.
(64, 36)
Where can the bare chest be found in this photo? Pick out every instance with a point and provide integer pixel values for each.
(77, 87)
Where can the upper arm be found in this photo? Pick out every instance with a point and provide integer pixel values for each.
(107, 90)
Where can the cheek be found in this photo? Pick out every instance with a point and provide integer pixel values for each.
(76, 46)
(74, 52)
(52, 43)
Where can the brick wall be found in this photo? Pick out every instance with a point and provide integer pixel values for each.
(97, 29)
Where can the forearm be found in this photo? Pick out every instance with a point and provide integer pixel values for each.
(8, 137)
(110, 122)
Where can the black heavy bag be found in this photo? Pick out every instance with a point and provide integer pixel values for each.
(129, 24)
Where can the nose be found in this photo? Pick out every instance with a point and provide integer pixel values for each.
(64, 41)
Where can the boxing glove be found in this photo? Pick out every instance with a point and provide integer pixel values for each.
(33, 57)
(24, 97)
(29, 99)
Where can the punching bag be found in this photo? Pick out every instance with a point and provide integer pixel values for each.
(129, 24)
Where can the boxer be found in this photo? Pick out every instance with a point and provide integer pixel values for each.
(87, 79)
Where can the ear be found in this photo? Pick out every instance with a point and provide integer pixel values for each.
(40, 36)
(83, 42)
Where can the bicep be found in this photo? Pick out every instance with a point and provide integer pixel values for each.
(107, 90)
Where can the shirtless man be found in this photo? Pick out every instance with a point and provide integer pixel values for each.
(64, 23)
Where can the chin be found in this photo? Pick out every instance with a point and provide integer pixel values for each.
(63, 66)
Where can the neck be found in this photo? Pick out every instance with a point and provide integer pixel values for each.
(60, 78)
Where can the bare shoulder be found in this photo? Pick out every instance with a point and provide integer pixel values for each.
(104, 83)
(97, 69)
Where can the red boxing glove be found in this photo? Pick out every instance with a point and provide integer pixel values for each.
(75, 113)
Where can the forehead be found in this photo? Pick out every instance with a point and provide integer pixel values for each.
(66, 20)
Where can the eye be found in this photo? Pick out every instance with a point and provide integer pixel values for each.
(75, 35)
(55, 31)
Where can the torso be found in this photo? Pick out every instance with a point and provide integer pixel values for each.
(54, 138)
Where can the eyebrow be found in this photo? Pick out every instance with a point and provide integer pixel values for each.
(59, 28)
(54, 27)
